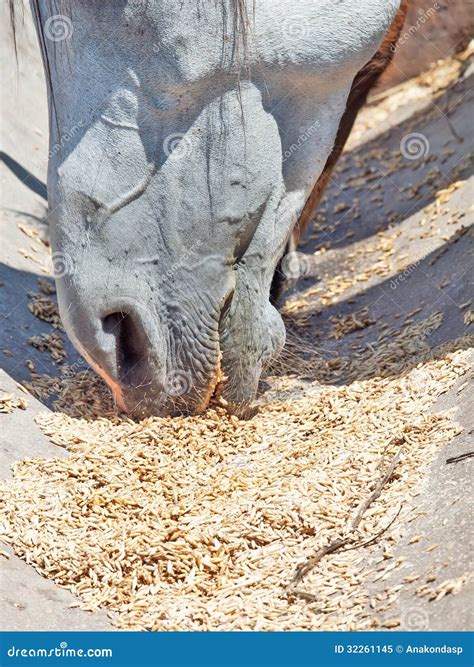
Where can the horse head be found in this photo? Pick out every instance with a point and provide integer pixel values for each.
(186, 139)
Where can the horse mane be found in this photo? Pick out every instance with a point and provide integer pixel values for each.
(242, 20)
(60, 7)
(17, 16)
(243, 17)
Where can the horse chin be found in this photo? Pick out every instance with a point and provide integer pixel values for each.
(158, 404)
(247, 352)
(232, 391)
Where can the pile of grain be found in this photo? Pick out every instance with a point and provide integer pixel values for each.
(9, 403)
(52, 343)
(200, 523)
(344, 324)
(45, 309)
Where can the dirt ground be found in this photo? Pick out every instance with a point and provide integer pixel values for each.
(390, 242)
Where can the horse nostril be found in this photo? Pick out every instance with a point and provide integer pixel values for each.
(131, 344)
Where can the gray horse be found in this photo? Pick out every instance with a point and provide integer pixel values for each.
(189, 144)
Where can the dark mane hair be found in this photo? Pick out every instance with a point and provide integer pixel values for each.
(241, 22)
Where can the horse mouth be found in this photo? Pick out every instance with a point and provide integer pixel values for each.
(177, 394)
(218, 378)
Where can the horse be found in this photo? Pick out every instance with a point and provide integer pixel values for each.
(190, 143)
